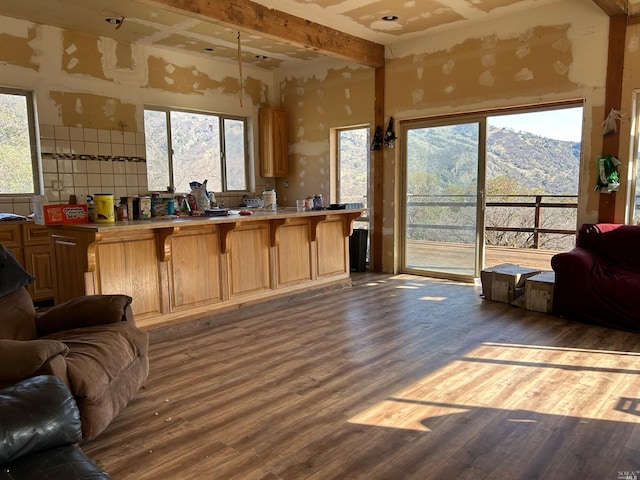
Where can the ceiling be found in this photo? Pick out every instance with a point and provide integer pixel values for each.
(285, 32)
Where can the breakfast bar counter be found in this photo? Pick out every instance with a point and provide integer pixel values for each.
(191, 267)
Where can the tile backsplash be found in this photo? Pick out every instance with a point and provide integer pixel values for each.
(85, 161)
(79, 161)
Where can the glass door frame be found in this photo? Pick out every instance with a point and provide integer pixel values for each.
(433, 122)
(632, 168)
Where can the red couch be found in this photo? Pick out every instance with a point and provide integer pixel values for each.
(599, 280)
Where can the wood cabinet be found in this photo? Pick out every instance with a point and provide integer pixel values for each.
(176, 270)
(274, 142)
(30, 245)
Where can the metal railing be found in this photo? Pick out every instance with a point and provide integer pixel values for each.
(535, 202)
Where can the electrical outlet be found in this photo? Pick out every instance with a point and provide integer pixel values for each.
(57, 185)
(286, 184)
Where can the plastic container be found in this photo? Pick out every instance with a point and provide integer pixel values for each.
(104, 207)
(144, 208)
(269, 197)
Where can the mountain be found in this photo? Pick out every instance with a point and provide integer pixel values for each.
(542, 164)
(444, 160)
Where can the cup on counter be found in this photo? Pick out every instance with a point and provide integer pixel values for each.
(301, 205)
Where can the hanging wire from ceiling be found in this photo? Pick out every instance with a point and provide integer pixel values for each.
(240, 68)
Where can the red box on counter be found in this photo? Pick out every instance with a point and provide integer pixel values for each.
(60, 214)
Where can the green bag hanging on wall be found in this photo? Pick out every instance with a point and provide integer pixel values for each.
(608, 178)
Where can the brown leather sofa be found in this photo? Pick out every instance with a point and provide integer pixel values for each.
(39, 430)
(91, 343)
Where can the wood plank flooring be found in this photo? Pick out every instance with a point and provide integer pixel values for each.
(397, 377)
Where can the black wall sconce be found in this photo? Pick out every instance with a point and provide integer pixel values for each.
(390, 135)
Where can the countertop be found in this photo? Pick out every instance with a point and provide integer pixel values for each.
(163, 222)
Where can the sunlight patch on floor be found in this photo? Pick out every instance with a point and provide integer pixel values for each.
(531, 381)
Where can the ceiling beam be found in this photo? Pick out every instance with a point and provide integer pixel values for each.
(612, 7)
(250, 17)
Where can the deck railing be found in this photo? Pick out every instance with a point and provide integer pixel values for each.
(535, 202)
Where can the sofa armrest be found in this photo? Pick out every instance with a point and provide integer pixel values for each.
(20, 359)
(84, 311)
(37, 414)
(576, 263)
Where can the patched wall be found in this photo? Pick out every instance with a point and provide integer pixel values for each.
(327, 95)
(90, 97)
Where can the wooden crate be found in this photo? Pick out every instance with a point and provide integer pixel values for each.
(505, 282)
(538, 295)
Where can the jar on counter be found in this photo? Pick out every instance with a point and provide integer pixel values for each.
(269, 197)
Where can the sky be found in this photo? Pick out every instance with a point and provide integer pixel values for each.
(562, 124)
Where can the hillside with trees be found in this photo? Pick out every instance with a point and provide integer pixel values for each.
(442, 175)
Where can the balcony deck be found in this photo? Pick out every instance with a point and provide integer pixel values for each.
(458, 257)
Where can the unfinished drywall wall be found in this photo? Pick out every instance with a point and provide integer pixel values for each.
(81, 54)
(491, 67)
(91, 93)
(553, 53)
(94, 111)
(16, 48)
(330, 94)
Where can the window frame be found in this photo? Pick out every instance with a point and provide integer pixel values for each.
(221, 127)
(36, 170)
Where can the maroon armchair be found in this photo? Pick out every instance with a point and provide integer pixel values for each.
(599, 280)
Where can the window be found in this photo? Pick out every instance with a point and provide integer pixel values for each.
(187, 146)
(353, 168)
(18, 159)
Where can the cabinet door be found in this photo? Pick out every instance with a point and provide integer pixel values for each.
(38, 262)
(10, 236)
(274, 142)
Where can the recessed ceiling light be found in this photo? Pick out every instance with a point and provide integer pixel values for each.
(114, 20)
(390, 18)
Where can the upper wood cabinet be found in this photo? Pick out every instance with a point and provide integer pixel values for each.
(274, 142)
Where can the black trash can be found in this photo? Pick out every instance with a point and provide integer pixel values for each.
(358, 250)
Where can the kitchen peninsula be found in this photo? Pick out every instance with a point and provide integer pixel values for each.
(181, 269)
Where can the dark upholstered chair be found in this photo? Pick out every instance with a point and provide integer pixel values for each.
(39, 430)
(91, 343)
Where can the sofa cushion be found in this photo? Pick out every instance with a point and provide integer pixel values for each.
(12, 275)
(17, 321)
(26, 357)
(97, 355)
(84, 311)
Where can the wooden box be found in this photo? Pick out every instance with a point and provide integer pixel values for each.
(538, 295)
(505, 282)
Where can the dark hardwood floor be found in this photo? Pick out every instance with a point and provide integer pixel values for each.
(398, 377)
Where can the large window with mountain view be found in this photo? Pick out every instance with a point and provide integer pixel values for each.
(18, 160)
(183, 146)
(487, 189)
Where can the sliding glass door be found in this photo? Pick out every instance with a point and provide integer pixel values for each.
(443, 199)
(500, 186)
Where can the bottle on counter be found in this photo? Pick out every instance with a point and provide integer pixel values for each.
(91, 208)
(269, 197)
(122, 212)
